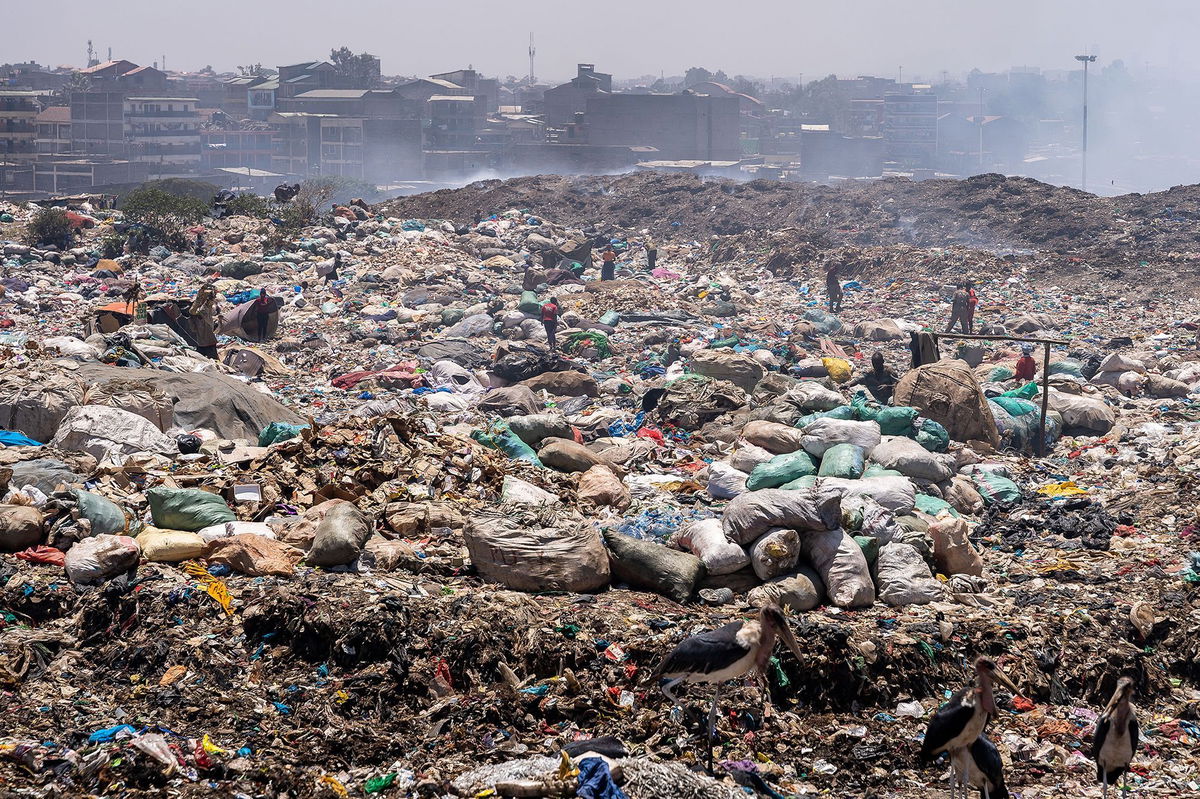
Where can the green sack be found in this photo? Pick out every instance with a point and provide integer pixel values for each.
(869, 546)
(841, 460)
(1025, 392)
(781, 469)
(1067, 366)
(731, 341)
(932, 436)
(842, 412)
(995, 488)
(278, 431)
(500, 436)
(610, 318)
(106, 516)
(529, 303)
(933, 505)
(1002, 373)
(875, 470)
(1015, 406)
(896, 421)
(808, 481)
(452, 316)
(187, 509)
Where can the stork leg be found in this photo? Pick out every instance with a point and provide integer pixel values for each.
(1104, 779)
(986, 793)
(712, 726)
(668, 690)
(952, 782)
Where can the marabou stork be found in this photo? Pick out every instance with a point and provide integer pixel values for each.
(957, 724)
(1115, 740)
(979, 766)
(725, 653)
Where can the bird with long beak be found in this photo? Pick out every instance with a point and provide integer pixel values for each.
(1115, 739)
(726, 653)
(957, 724)
(980, 766)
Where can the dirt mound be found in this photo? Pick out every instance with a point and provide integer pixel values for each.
(991, 211)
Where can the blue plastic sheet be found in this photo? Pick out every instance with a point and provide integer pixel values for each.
(596, 782)
(11, 438)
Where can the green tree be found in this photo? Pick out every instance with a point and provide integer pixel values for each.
(166, 216)
(361, 71)
(49, 227)
(696, 75)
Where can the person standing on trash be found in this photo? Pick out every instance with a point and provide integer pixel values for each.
(958, 309)
(833, 287)
(201, 318)
(608, 267)
(199, 242)
(550, 321)
(880, 380)
(972, 301)
(263, 306)
(1026, 365)
(651, 253)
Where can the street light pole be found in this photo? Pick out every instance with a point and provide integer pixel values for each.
(1085, 60)
(981, 128)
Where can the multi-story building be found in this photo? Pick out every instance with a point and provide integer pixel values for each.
(228, 143)
(367, 134)
(685, 126)
(564, 101)
(455, 121)
(910, 129)
(163, 132)
(53, 130)
(98, 112)
(475, 84)
(18, 126)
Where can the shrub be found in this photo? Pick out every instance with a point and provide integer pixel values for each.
(249, 205)
(165, 215)
(49, 226)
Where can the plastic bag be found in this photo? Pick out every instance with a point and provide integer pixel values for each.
(187, 509)
(750, 515)
(781, 469)
(95, 559)
(278, 431)
(995, 488)
(500, 436)
(706, 540)
(724, 481)
(341, 536)
(825, 433)
(842, 565)
(932, 436)
(839, 369)
(775, 552)
(842, 460)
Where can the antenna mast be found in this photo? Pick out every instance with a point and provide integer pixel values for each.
(532, 52)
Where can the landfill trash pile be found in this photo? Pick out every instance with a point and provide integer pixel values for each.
(328, 511)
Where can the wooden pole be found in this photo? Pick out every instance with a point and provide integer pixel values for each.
(1041, 442)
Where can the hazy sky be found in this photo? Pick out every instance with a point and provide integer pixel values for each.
(626, 37)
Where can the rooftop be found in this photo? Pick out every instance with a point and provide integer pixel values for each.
(162, 99)
(332, 94)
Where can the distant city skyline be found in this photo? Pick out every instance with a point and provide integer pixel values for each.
(628, 39)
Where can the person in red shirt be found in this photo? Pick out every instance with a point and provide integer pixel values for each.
(972, 301)
(1026, 365)
(550, 320)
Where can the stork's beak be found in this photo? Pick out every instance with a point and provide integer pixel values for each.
(1003, 679)
(790, 640)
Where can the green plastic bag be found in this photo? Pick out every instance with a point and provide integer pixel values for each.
(731, 341)
(808, 481)
(841, 460)
(1015, 406)
(842, 412)
(1025, 392)
(610, 318)
(932, 436)
(278, 431)
(529, 303)
(106, 516)
(500, 436)
(852, 518)
(933, 505)
(995, 488)
(781, 469)
(187, 509)
(869, 546)
(1067, 366)
(875, 470)
(1002, 373)
(896, 421)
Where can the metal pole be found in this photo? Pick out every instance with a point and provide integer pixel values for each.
(981, 127)
(1041, 442)
(1085, 99)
